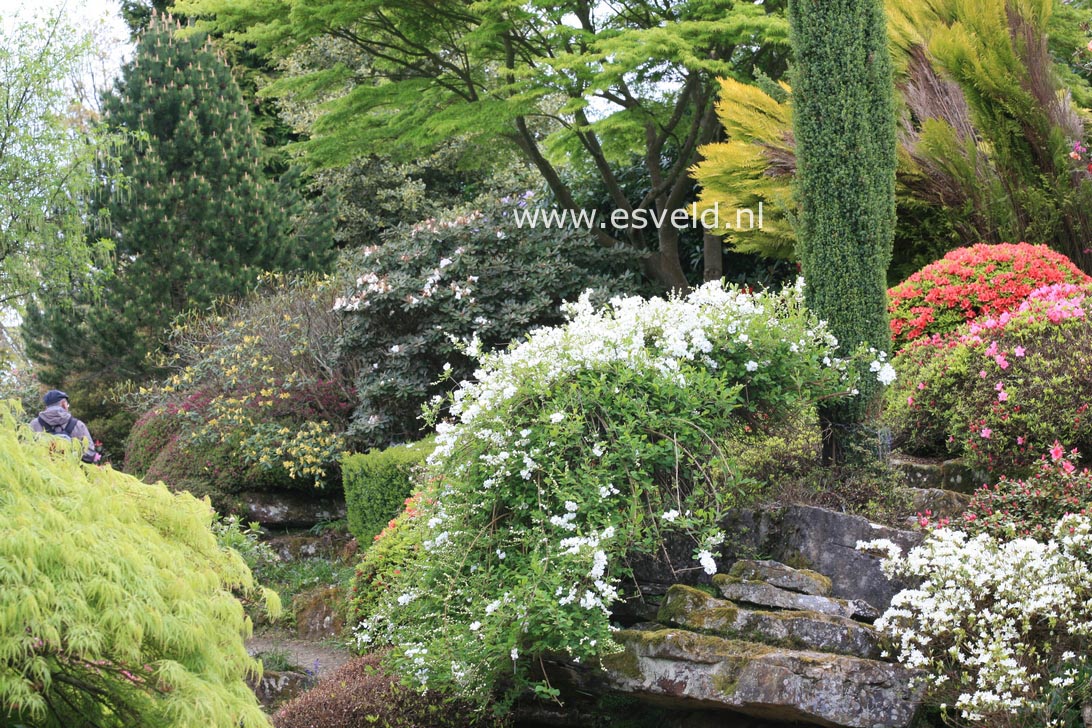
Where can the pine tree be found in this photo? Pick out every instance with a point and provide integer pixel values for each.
(844, 123)
(197, 220)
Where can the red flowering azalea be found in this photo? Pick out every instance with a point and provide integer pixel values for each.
(967, 283)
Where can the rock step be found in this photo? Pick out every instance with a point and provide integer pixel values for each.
(777, 574)
(687, 670)
(693, 609)
(761, 594)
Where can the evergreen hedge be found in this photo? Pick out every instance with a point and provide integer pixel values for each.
(377, 484)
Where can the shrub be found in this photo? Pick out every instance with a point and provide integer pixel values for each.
(442, 280)
(1000, 628)
(151, 434)
(1032, 507)
(116, 605)
(376, 485)
(360, 694)
(970, 283)
(255, 402)
(381, 567)
(1000, 390)
(577, 447)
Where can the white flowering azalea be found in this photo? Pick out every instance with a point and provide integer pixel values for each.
(573, 450)
(999, 629)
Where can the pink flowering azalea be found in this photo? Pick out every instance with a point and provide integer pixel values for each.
(910, 401)
(1057, 452)
(1020, 440)
(986, 432)
(1019, 351)
(1068, 466)
(1001, 361)
(1002, 396)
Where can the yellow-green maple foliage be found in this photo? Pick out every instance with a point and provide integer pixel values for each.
(116, 604)
(741, 172)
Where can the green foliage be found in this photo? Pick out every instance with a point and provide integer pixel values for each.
(1005, 89)
(574, 449)
(1033, 506)
(50, 154)
(198, 220)
(392, 550)
(293, 578)
(844, 125)
(256, 399)
(377, 484)
(361, 694)
(432, 284)
(991, 94)
(116, 600)
(526, 76)
(1002, 390)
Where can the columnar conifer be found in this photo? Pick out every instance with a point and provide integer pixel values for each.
(844, 123)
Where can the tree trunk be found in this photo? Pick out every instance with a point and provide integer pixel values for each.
(713, 256)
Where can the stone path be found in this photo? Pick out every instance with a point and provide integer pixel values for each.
(318, 657)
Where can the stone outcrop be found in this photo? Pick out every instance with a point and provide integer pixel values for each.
(274, 688)
(761, 594)
(803, 581)
(775, 645)
(695, 670)
(951, 475)
(290, 510)
(804, 537)
(694, 609)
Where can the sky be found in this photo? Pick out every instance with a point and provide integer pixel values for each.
(100, 16)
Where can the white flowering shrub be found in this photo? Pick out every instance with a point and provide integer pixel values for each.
(579, 446)
(1000, 629)
(416, 288)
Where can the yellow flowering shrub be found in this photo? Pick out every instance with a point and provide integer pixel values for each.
(255, 398)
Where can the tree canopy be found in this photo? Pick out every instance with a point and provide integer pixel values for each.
(199, 220)
(49, 151)
(557, 81)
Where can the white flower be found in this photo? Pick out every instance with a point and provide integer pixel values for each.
(707, 563)
(571, 507)
(475, 626)
(751, 366)
(670, 516)
(557, 417)
(886, 374)
(514, 654)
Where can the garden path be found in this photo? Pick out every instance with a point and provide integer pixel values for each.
(317, 657)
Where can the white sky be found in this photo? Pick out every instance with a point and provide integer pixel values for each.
(99, 16)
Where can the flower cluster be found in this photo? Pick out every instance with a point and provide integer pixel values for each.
(1000, 629)
(1031, 507)
(969, 283)
(578, 447)
(999, 390)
